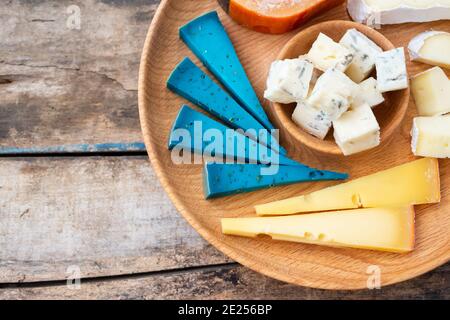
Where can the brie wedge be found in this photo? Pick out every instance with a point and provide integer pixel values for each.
(432, 47)
(379, 12)
(431, 91)
(431, 137)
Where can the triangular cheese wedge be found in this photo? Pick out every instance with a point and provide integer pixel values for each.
(383, 229)
(413, 183)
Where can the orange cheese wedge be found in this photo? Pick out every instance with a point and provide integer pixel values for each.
(276, 16)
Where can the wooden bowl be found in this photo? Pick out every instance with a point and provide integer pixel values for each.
(389, 114)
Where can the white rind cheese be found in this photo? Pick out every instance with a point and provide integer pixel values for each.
(312, 120)
(365, 52)
(369, 94)
(431, 47)
(391, 70)
(357, 130)
(374, 12)
(431, 137)
(289, 80)
(431, 91)
(326, 54)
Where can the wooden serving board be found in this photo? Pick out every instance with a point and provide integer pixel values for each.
(301, 264)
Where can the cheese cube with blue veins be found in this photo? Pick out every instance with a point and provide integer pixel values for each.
(368, 93)
(326, 54)
(391, 70)
(365, 52)
(314, 121)
(288, 80)
(357, 130)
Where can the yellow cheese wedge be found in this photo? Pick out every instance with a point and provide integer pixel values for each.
(416, 182)
(384, 229)
(431, 91)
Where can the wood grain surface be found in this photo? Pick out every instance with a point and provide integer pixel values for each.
(301, 264)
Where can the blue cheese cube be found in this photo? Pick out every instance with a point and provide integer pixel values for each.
(289, 80)
(368, 93)
(331, 104)
(391, 70)
(312, 120)
(326, 54)
(357, 130)
(365, 52)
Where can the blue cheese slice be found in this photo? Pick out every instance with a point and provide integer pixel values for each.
(357, 130)
(288, 80)
(326, 54)
(391, 70)
(368, 93)
(314, 121)
(365, 52)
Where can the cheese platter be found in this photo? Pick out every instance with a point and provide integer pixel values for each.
(232, 204)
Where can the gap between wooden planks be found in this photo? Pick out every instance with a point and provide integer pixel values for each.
(103, 215)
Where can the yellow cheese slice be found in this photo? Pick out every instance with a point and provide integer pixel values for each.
(384, 229)
(412, 183)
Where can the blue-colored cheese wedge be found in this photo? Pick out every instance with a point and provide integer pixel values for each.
(209, 41)
(197, 126)
(221, 180)
(190, 82)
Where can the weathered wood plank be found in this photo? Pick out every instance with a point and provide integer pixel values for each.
(108, 216)
(63, 86)
(228, 282)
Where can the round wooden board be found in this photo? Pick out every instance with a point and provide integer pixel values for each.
(305, 265)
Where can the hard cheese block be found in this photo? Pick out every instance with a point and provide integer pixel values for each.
(412, 183)
(374, 12)
(357, 130)
(431, 137)
(288, 80)
(190, 82)
(207, 38)
(200, 134)
(384, 229)
(365, 52)
(391, 70)
(431, 91)
(227, 179)
(431, 47)
(273, 16)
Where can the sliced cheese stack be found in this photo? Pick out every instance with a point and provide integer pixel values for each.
(343, 95)
(373, 12)
(431, 47)
(384, 229)
(413, 183)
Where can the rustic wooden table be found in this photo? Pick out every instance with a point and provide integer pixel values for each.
(77, 194)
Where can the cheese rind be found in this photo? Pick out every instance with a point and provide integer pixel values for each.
(288, 80)
(391, 70)
(431, 91)
(365, 52)
(314, 121)
(368, 93)
(326, 54)
(372, 12)
(431, 47)
(431, 137)
(384, 229)
(226, 179)
(412, 183)
(357, 130)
